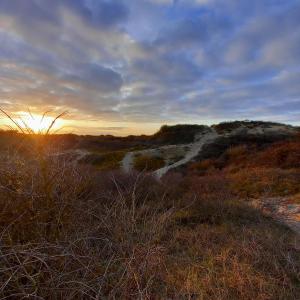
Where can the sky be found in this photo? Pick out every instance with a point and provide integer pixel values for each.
(127, 67)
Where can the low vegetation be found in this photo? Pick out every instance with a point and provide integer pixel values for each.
(232, 125)
(67, 234)
(177, 134)
(104, 161)
(148, 163)
(68, 231)
(254, 169)
(109, 143)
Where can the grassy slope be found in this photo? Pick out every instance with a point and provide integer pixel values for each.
(254, 169)
(69, 232)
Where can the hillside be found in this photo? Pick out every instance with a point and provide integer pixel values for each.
(192, 212)
(196, 143)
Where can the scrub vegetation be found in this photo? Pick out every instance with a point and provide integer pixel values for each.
(254, 169)
(70, 231)
(104, 161)
(148, 163)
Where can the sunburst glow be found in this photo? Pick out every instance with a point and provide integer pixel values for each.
(38, 123)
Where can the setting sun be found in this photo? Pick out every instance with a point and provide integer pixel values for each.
(38, 123)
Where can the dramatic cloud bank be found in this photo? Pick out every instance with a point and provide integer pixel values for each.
(141, 63)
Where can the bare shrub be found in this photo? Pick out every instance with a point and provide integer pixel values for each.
(68, 238)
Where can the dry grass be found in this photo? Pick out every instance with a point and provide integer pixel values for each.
(259, 181)
(253, 172)
(67, 238)
(70, 232)
(129, 237)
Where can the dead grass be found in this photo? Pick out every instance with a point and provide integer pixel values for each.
(256, 182)
(129, 237)
(254, 172)
(283, 155)
(70, 232)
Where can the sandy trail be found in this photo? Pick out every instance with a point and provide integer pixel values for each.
(81, 153)
(281, 209)
(194, 148)
(127, 162)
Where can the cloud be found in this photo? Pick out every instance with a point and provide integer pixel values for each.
(97, 13)
(167, 69)
(100, 13)
(152, 61)
(95, 76)
(195, 31)
(163, 2)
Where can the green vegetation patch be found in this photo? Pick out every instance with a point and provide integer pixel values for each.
(105, 161)
(148, 163)
(178, 134)
(229, 126)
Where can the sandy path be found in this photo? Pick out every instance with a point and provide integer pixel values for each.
(281, 209)
(126, 164)
(81, 153)
(127, 161)
(194, 150)
(202, 139)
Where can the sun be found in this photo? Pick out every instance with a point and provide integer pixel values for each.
(38, 123)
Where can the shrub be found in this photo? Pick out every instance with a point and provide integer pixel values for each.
(82, 245)
(259, 181)
(203, 166)
(70, 232)
(177, 134)
(283, 155)
(39, 197)
(104, 161)
(129, 236)
(148, 163)
(237, 152)
(224, 127)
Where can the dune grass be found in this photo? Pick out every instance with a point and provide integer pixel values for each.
(130, 237)
(70, 232)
